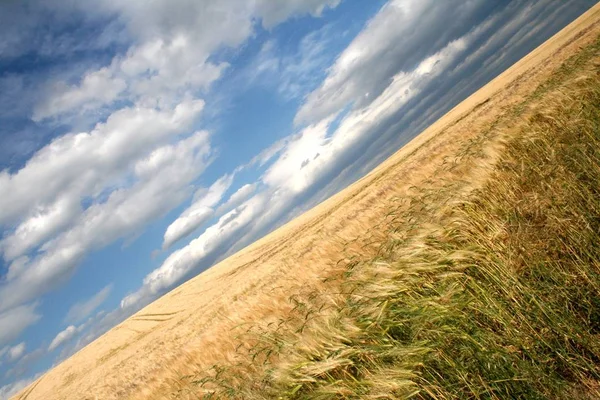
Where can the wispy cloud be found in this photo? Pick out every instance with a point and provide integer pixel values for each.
(237, 198)
(81, 310)
(62, 337)
(15, 352)
(292, 72)
(15, 320)
(198, 213)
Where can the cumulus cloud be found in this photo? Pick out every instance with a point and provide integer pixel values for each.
(74, 166)
(170, 57)
(15, 321)
(394, 40)
(96, 88)
(81, 310)
(62, 337)
(198, 213)
(229, 20)
(163, 181)
(41, 224)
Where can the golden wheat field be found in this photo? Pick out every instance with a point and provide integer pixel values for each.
(243, 312)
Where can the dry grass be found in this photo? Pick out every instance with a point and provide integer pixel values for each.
(412, 282)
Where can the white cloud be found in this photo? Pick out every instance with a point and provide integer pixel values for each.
(15, 352)
(62, 337)
(394, 40)
(15, 321)
(86, 164)
(167, 61)
(170, 57)
(230, 21)
(161, 73)
(164, 181)
(198, 213)
(301, 151)
(83, 309)
(183, 261)
(186, 223)
(236, 199)
(96, 88)
(40, 225)
(314, 152)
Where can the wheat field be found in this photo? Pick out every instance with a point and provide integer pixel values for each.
(467, 265)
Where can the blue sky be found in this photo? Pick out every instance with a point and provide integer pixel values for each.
(141, 142)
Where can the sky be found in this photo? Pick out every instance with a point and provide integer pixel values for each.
(142, 142)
